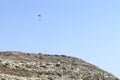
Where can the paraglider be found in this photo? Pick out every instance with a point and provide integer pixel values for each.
(39, 15)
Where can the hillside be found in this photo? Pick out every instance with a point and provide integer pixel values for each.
(29, 66)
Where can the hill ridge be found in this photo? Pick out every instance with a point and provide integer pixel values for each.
(15, 65)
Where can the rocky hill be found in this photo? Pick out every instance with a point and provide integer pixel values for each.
(29, 66)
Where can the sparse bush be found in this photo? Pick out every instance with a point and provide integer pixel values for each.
(3, 79)
(57, 65)
(43, 66)
(59, 74)
(17, 67)
(48, 64)
(40, 73)
(28, 66)
(56, 55)
(47, 55)
(16, 79)
(28, 53)
(73, 77)
(72, 68)
(47, 73)
(40, 54)
(63, 55)
(87, 77)
(63, 68)
(49, 78)
(75, 64)
(41, 58)
(0, 61)
(6, 64)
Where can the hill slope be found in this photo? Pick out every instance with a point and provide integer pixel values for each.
(28, 66)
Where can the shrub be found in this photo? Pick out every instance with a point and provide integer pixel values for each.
(3, 79)
(63, 55)
(57, 65)
(28, 53)
(41, 58)
(56, 55)
(28, 66)
(59, 74)
(49, 78)
(6, 64)
(0, 61)
(17, 67)
(43, 66)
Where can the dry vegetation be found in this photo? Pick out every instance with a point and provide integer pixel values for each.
(28, 66)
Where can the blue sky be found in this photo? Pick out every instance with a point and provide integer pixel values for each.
(87, 29)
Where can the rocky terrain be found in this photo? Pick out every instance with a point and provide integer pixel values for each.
(30, 66)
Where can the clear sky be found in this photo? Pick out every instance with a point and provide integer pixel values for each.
(87, 29)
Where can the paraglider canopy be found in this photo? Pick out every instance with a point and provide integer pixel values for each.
(39, 15)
